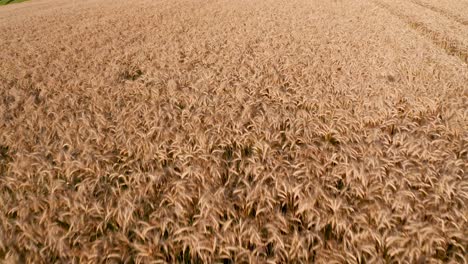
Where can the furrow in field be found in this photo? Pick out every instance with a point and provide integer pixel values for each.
(451, 46)
(442, 11)
(433, 20)
(455, 7)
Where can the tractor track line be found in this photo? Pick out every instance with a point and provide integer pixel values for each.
(442, 11)
(450, 46)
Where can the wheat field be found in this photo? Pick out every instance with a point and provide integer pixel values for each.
(234, 131)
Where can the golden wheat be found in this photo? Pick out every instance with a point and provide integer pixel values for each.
(234, 131)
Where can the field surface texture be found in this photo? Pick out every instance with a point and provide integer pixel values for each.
(222, 131)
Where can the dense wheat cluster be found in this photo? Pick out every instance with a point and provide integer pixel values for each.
(234, 131)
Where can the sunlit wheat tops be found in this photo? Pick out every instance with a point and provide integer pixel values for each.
(303, 131)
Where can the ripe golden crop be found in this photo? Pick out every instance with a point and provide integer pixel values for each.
(224, 131)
